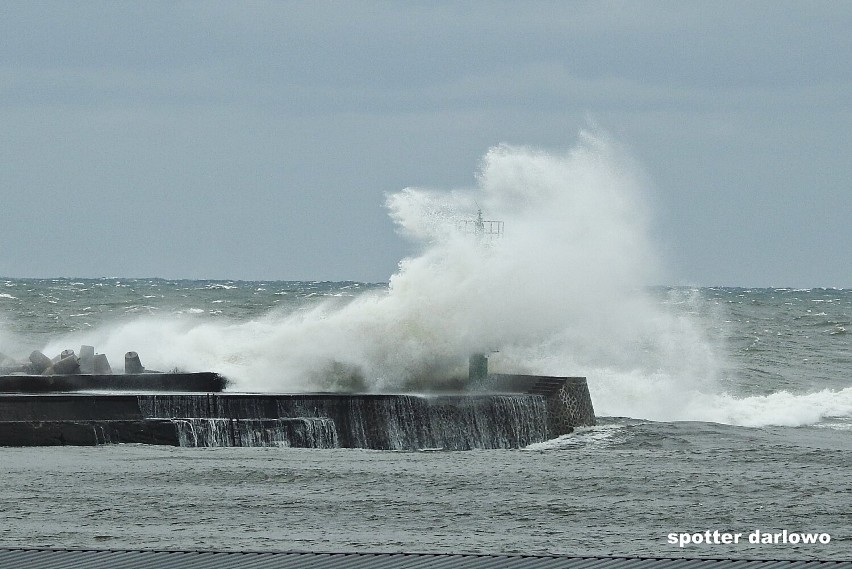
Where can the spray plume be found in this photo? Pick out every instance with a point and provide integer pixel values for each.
(560, 293)
(564, 292)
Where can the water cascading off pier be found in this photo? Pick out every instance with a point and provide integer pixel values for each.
(539, 409)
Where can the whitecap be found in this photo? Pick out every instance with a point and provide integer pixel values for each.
(580, 437)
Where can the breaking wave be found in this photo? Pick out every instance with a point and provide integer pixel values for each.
(564, 291)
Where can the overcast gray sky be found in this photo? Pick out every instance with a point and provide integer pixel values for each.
(257, 140)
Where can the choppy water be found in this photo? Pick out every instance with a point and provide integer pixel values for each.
(761, 439)
(617, 489)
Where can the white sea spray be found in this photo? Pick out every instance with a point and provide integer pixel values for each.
(564, 291)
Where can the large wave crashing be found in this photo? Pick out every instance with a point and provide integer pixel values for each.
(564, 291)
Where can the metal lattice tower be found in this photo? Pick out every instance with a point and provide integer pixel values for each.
(482, 228)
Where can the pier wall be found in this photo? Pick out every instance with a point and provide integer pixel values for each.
(522, 410)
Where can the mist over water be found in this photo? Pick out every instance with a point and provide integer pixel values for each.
(565, 291)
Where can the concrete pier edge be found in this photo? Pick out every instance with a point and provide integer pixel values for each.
(517, 411)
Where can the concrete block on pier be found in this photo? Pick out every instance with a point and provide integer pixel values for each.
(39, 361)
(67, 365)
(87, 359)
(101, 365)
(132, 363)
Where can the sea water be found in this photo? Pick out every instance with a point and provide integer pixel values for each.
(766, 446)
(720, 409)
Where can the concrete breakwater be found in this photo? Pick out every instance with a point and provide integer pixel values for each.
(151, 381)
(538, 409)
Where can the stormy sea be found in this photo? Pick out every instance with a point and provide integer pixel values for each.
(724, 413)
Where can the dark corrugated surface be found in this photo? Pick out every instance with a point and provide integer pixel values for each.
(148, 559)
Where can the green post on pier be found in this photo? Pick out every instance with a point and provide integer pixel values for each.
(478, 370)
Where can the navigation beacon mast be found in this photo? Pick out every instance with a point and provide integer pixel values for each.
(482, 229)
